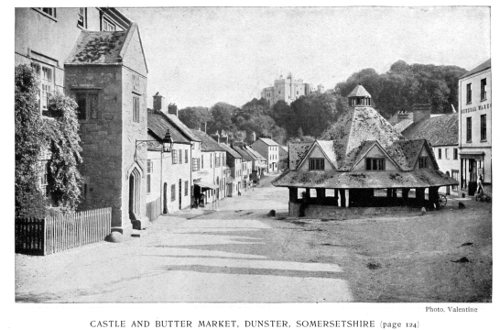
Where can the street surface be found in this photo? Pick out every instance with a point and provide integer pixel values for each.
(235, 254)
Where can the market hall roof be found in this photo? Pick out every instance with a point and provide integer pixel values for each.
(438, 130)
(358, 131)
(359, 91)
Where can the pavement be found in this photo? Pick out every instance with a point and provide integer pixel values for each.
(234, 254)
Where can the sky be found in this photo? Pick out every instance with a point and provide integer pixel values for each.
(199, 56)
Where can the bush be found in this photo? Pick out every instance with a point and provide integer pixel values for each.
(29, 200)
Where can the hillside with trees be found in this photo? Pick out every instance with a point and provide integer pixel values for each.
(405, 84)
(309, 116)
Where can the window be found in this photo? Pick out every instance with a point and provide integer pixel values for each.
(107, 25)
(180, 156)
(195, 164)
(483, 127)
(186, 188)
(172, 192)
(186, 159)
(202, 161)
(82, 17)
(46, 84)
(48, 11)
(469, 93)
(136, 109)
(87, 105)
(316, 164)
(469, 130)
(483, 89)
(375, 164)
(174, 156)
(423, 162)
(210, 160)
(149, 169)
(44, 177)
(439, 153)
(446, 153)
(455, 153)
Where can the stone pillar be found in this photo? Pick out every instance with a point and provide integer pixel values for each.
(342, 197)
(434, 195)
(292, 194)
(347, 198)
(420, 195)
(405, 193)
(389, 193)
(321, 193)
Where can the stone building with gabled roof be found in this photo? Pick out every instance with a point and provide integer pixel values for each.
(106, 72)
(441, 132)
(358, 157)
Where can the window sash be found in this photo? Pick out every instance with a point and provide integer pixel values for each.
(136, 109)
(483, 89)
(469, 93)
(186, 186)
(375, 164)
(469, 129)
(316, 164)
(172, 193)
(483, 127)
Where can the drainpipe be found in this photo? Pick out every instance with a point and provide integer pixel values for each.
(191, 188)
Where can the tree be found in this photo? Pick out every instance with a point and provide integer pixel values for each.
(222, 114)
(315, 113)
(63, 141)
(29, 201)
(404, 85)
(195, 117)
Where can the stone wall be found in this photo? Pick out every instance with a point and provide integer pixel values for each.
(342, 213)
(101, 137)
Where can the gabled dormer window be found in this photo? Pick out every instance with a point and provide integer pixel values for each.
(375, 164)
(316, 164)
(423, 162)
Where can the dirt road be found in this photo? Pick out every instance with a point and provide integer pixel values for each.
(239, 254)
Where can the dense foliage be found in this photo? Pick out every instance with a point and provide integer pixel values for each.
(29, 201)
(56, 135)
(63, 142)
(404, 85)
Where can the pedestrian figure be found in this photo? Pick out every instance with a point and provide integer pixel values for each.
(480, 189)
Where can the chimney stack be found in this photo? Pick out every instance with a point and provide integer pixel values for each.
(172, 110)
(158, 102)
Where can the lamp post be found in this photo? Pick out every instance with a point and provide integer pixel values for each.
(167, 143)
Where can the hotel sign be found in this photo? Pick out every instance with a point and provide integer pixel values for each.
(473, 109)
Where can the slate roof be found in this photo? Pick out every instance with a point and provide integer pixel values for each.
(359, 91)
(254, 153)
(296, 152)
(438, 131)
(481, 67)
(420, 178)
(174, 120)
(158, 125)
(244, 154)
(207, 143)
(355, 133)
(230, 150)
(98, 47)
(356, 125)
(269, 141)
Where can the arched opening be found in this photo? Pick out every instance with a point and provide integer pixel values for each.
(134, 195)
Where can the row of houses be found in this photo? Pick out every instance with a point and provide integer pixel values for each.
(460, 140)
(140, 162)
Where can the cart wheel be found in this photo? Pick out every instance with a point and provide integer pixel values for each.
(442, 200)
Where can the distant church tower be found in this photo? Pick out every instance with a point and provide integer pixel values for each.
(359, 97)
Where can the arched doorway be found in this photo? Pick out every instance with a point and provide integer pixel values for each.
(165, 200)
(134, 194)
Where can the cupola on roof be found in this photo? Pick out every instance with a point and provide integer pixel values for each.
(359, 96)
